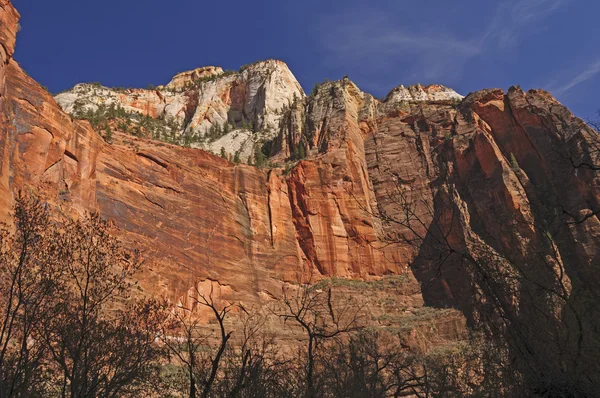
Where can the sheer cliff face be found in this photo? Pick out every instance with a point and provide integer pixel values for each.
(199, 217)
(9, 18)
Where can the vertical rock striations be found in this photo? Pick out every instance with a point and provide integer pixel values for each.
(501, 179)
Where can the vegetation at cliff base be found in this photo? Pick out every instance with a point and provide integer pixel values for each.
(74, 324)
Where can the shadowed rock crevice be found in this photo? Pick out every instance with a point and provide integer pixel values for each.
(501, 178)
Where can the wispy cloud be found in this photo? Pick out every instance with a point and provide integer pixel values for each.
(373, 41)
(512, 17)
(376, 43)
(589, 71)
(426, 49)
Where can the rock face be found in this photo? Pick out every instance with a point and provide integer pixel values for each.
(188, 78)
(230, 113)
(202, 98)
(9, 18)
(417, 93)
(472, 169)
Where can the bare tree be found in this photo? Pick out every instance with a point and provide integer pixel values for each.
(371, 364)
(66, 318)
(245, 362)
(192, 347)
(29, 273)
(524, 299)
(321, 318)
(93, 321)
(254, 365)
(180, 336)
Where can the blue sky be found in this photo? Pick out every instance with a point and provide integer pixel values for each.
(464, 44)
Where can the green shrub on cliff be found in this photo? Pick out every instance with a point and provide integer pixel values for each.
(513, 162)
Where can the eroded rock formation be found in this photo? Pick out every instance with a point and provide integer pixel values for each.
(197, 102)
(475, 166)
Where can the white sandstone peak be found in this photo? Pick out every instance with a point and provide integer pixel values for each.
(201, 99)
(186, 78)
(418, 93)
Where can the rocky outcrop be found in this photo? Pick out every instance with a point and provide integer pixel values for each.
(189, 78)
(331, 195)
(201, 98)
(9, 19)
(366, 188)
(418, 93)
(41, 146)
(8, 30)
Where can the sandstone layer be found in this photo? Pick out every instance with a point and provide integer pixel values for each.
(471, 167)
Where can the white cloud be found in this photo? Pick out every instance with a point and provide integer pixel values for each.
(380, 41)
(512, 17)
(589, 71)
(376, 41)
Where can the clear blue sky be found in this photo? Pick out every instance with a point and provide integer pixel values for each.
(464, 44)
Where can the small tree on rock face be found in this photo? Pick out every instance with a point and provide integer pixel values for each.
(108, 133)
(513, 162)
(315, 90)
(246, 125)
(299, 151)
(259, 157)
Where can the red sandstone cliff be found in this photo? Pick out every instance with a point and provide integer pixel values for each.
(199, 217)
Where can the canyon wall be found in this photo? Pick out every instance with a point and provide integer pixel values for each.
(472, 167)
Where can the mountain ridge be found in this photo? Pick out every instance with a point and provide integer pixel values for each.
(196, 114)
(355, 187)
